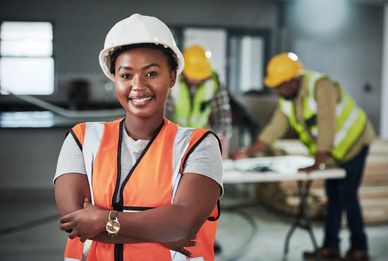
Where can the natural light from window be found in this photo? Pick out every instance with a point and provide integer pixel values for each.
(26, 58)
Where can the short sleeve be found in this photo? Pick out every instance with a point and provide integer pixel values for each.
(70, 159)
(206, 160)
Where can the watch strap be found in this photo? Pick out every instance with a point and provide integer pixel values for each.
(112, 215)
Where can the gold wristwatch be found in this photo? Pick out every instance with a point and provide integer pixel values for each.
(113, 225)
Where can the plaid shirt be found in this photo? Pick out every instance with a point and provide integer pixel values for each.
(220, 120)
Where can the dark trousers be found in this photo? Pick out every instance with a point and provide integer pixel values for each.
(342, 195)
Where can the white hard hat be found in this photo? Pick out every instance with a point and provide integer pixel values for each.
(138, 29)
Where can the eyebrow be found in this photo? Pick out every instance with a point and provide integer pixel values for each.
(144, 67)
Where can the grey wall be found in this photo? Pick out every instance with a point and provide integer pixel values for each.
(352, 55)
(28, 157)
(81, 26)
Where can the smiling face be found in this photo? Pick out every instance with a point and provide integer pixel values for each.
(142, 80)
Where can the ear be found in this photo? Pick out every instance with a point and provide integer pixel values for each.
(173, 75)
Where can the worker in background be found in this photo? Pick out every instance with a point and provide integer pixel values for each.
(335, 131)
(198, 100)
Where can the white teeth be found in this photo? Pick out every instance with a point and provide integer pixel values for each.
(140, 99)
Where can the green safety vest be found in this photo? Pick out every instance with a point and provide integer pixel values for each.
(194, 112)
(350, 119)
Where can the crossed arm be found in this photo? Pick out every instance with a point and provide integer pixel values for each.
(175, 224)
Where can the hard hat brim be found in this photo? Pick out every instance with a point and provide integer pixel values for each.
(104, 58)
(275, 82)
(138, 29)
(272, 82)
(198, 75)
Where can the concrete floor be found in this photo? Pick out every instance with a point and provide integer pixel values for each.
(29, 231)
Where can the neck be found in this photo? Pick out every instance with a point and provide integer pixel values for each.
(141, 128)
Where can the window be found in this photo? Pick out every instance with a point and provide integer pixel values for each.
(247, 58)
(26, 58)
(214, 41)
(237, 55)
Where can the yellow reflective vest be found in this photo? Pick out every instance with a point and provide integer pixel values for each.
(194, 112)
(351, 120)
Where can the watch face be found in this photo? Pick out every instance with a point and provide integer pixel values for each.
(112, 226)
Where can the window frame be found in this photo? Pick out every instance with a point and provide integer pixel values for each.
(264, 33)
(11, 103)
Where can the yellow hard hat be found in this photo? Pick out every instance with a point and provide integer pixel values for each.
(282, 68)
(197, 64)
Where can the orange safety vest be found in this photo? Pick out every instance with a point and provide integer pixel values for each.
(151, 183)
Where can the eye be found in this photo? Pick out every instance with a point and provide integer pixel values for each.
(152, 74)
(126, 76)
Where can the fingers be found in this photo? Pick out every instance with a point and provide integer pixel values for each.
(184, 252)
(192, 243)
(65, 219)
(307, 169)
(303, 170)
(87, 203)
(74, 233)
(66, 227)
(66, 224)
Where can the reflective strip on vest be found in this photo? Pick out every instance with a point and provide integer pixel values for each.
(161, 160)
(91, 142)
(181, 144)
(350, 119)
(93, 134)
(74, 247)
(311, 78)
(194, 113)
(351, 130)
(288, 109)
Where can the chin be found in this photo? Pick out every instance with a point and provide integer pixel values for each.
(142, 113)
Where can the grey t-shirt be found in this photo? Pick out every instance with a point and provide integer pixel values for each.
(204, 160)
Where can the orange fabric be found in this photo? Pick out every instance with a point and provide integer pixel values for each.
(105, 165)
(149, 185)
(194, 139)
(79, 131)
(74, 248)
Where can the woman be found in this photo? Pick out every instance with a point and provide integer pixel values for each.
(151, 187)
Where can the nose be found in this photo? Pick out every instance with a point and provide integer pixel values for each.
(137, 83)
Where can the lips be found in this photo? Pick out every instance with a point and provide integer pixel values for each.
(140, 100)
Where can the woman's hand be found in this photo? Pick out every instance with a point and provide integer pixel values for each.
(84, 223)
(179, 246)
